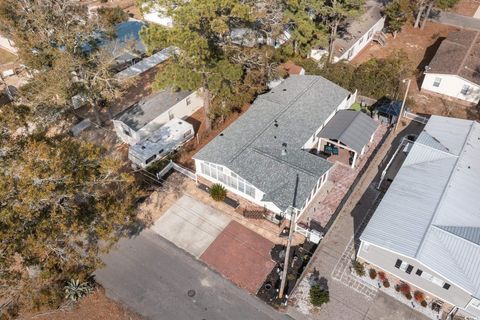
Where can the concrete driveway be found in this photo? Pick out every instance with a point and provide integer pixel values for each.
(152, 277)
(191, 225)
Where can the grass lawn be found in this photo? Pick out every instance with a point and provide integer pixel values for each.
(356, 106)
(6, 57)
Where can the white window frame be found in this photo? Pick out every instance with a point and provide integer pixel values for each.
(475, 303)
(404, 266)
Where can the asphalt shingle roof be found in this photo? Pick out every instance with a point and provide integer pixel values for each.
(353, 128)
(144, 111)
(431, 212)
(288, 114)
(458, 54)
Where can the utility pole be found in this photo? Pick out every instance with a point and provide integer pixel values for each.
(287, 253)
(403, 103)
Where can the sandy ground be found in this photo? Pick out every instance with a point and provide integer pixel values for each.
(95, 306)
(420, 46)
(466, 7)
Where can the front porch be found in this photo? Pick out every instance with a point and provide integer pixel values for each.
(319, 213)
(335, 152)
(261, 220)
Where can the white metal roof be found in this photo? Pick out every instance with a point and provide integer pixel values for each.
(431, 211)
(145, 64)
(170, 134)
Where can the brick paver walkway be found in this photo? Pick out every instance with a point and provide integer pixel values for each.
(342, 271)
(341, 176)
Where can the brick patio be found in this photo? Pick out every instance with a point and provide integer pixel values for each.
(341, 178)
(241, 255)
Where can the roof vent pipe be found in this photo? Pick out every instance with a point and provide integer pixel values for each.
(284, 149)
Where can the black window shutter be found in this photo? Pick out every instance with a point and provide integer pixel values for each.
(409, 269)
(398, 263)
(419, 272)
(446, 286)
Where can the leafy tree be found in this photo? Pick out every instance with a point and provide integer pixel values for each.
(382, 77)
(200, 31)
(58, 41)
(63, 202)
(333, 13)
(318, 296)
(112, 16)
(396, 15)
(306, 30)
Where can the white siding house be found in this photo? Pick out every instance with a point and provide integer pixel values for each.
(146, 116)
(358, 34)
(426, 229)
(264, 157)
(453, 86)
(453, 71)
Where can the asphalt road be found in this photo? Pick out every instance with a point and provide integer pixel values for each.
(152, 277)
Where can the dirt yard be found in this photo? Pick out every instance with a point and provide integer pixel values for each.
(96, 306)
(466, 7)
(420, 46)
(6, 57)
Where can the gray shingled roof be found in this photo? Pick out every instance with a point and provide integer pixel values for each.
(252, 145)
(458, 54)
(431, 212)
(353, 128)
(144, 111)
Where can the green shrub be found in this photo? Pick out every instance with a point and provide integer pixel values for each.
(358, 267)
(386, 284)
(408, 295)
(112, 16)
(424, 303)
(372, 273)
(318, 296)
(218, 192)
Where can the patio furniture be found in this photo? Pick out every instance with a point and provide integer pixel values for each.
(335, 151)
(328, 149)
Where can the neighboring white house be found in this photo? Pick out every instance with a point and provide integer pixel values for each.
(160, 143)
(7, 44)
(148, 115)
(268, 156)
(455, 69)
(358, 33)
(426, 229)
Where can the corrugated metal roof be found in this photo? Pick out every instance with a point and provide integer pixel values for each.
(431, 211)
(288, 114)
(145, 64)
(353, 128)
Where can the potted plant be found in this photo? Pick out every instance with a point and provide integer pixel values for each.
(424, 303)
(408, 296)
(386, 283)
(418, 295)
(372, 273)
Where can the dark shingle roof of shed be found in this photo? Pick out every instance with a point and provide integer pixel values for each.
(289, 114)
(144, 111)
(353, 128)
(458, 54)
